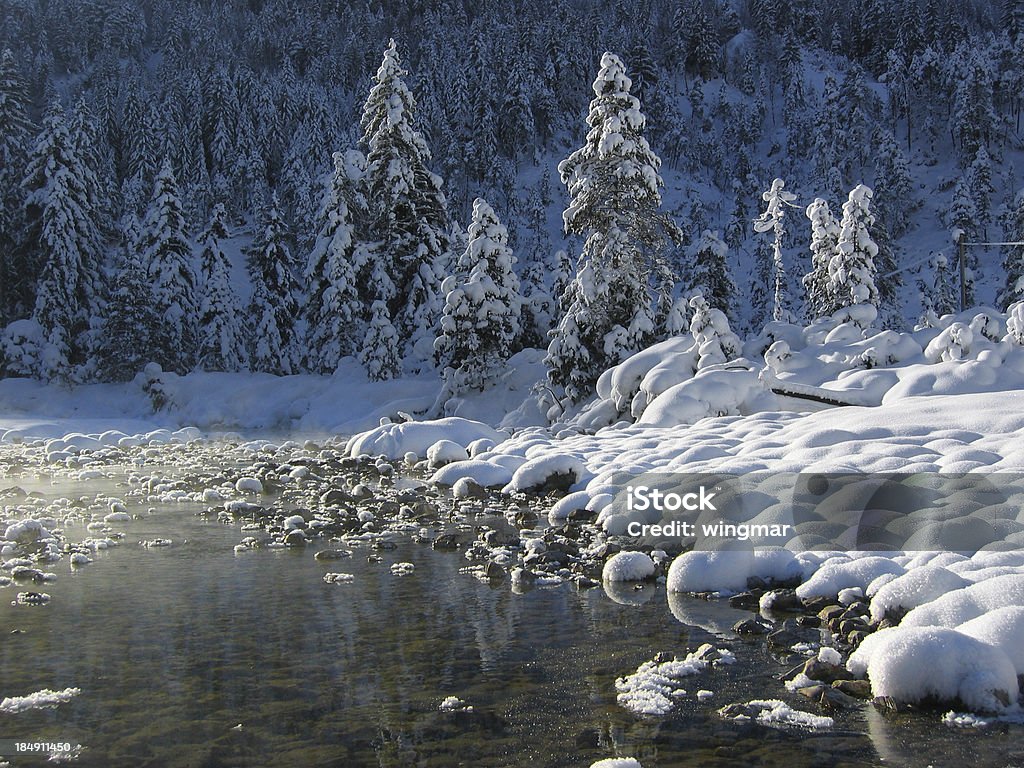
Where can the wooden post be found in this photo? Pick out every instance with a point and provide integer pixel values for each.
(962, 253)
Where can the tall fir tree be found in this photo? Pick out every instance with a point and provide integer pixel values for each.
(276, 296)
(16, 132)
(223, 344)
(894, 193)
(337, 273)
(710, 272)
(132, 329)
(614, 186)
(852, 269)
(481, 321)
(167, 257)
(818, 299)
(380, 355)
(61, 215)
(409, 218)
(1013, 260)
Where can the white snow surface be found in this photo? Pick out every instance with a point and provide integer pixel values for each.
(617, 762)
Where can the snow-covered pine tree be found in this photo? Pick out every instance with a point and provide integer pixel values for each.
(167, 258)
(15, 139)
(61, 216)
(710, 273)
(1013, 262)
(380, 355)
(539, 307)
(776, 199)
(481, 320)
(888, 280)
(132, 329)
(894, 193)
(824, 238)
(979, 181)
(852, 269)
(409, 218)
(336, 273)
(275, 297)
(614, 186)
(223, 342)
(940, 295)
(716, 343)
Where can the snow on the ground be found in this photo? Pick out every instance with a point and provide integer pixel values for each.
(617, 762)
(39, 700)
(343, 403)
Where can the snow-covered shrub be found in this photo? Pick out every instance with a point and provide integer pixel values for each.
(22, 346)
(709, 327)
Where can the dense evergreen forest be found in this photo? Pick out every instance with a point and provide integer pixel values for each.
(392, 176)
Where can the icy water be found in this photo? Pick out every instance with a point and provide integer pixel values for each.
(192, 655)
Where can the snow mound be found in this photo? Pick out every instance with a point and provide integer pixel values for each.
(617, 762)
(483, 473)
(393, 441)
(26, 532)
(542, 470)
(711, 393)
(39, 700)
(628, 566)
(915, 587)
(959, 607)
(913, 664)
(1003, 628)
(834, 577)
(445, 452)
(727, 570)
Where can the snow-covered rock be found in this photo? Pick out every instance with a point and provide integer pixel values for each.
(393, 441)
(628, 566)
(911, 664)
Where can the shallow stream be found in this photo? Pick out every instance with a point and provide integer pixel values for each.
(193, 655)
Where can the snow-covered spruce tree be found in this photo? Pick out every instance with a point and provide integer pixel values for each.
(15, 139)
(275, 297)
(716, 343)
(336, 273)
(824, 238)
(167, 258)
(710, 271)
(888, 278)
(62, 218)
(894, 192)
(1013, 261)
(223, 342)
(381, 355)
(481, 320)
(979, 181)
(409, 215)
(613, 183)
(940, 295)
(132, 329)
(776, 199)
(539, 307)
(851, 270)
